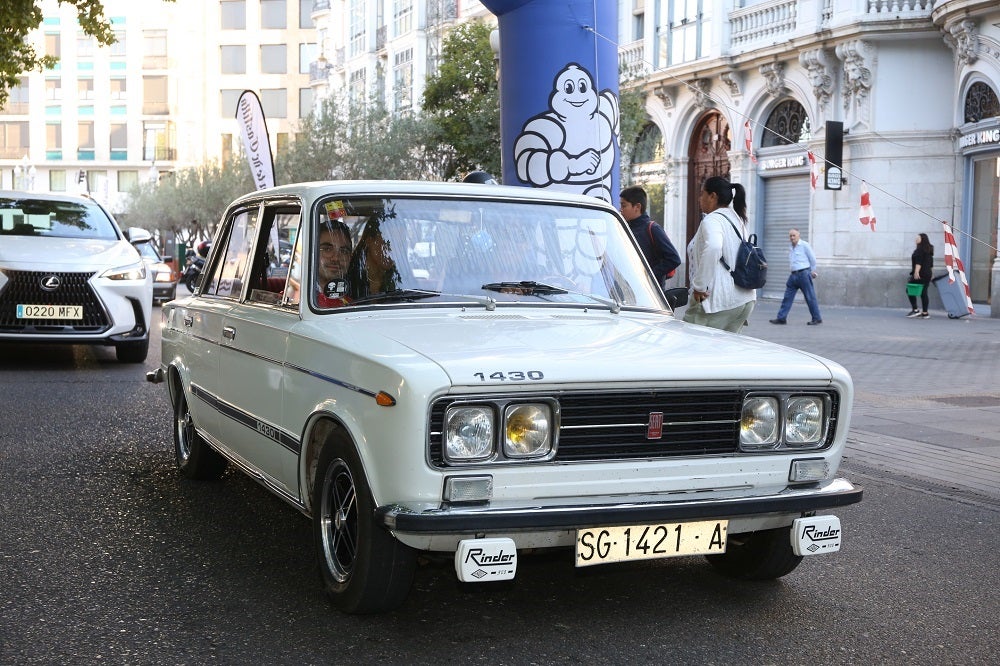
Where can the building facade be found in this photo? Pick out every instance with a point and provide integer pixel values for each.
(915, 85)
(162, 98)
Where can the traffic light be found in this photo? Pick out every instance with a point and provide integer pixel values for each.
(834, 155)
(81, 178)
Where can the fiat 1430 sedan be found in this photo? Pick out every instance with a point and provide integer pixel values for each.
(474, 371)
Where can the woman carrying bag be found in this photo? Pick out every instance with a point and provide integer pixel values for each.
(716, 301)
(921, 271)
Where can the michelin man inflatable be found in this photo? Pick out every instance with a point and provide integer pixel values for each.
(559, 94)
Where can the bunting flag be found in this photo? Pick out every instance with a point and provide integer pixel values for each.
(748, 133)
(813, 172)
(253, 132)
(866, 214)
(953, 263)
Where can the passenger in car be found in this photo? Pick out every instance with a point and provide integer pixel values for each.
(333, 257)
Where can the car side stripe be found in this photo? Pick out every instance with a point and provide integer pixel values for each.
(268, 430)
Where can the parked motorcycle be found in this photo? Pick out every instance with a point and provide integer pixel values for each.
(194, 265)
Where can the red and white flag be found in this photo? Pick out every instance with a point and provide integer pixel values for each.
(866, 214)
(953, 263)
(748, 140)
(813, 172)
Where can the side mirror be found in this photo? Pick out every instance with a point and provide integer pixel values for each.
(677, 297)
(137, 235)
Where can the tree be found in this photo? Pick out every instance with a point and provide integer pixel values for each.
(463, 100)
(355, 140)
(190, 202)
(19, 18)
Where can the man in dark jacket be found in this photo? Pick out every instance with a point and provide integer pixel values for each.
(660, 253)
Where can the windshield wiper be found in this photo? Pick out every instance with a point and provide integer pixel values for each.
(397, 295)
(417, 294)
(524, 287)
(532, 288)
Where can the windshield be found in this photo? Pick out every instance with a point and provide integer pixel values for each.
(147, 251)
(379, 250)
(64, 219)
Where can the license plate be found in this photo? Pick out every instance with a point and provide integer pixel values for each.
(25, 311)
(603, 545)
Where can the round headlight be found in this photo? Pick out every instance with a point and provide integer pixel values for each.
(528, 431)
(468, 434)
(759, 424)
(804, 421)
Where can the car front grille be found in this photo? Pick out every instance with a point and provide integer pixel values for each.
(24, 287)
(615, 426)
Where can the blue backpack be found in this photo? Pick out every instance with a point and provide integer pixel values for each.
(750, 271)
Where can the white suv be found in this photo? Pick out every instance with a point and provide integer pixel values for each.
(69, 275)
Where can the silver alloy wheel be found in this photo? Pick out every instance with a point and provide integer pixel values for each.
(185, 433)
(339, 521)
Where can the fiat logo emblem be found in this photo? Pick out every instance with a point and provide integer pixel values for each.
(50, 282)
(654, 427)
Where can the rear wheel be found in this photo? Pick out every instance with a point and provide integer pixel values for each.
(195, 458)
(763, 555)
(363, 567)
(132, 352)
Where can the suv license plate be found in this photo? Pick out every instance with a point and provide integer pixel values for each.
(603, 545)
(25, 311)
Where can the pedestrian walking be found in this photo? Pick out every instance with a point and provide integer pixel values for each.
(921, 271)
(802, 262)
(716, 301)
(660, 253)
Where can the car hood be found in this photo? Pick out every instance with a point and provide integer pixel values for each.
(582, 346)
(39, 253)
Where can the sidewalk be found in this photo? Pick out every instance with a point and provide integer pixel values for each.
(927, 391)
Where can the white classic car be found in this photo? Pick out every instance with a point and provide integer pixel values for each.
(474, 370)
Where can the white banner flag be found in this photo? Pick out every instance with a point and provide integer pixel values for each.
(253, 131)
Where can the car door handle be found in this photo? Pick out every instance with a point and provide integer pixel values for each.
(188, 320)
(229, 333)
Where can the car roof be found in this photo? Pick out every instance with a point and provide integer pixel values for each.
(47, 196)
(315, 189)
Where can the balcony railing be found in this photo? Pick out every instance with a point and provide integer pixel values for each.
(632, 61)
(320, 6)
(900, 8)
(767, 22)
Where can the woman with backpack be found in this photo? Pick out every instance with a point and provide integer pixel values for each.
(716, 300)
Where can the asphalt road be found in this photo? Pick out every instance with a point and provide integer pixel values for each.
(108, 556)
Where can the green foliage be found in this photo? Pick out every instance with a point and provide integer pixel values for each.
(190, 202)
(632, 118)
(18, 18)
(463, 101)
(362, 141)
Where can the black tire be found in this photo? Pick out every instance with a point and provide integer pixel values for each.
(191, 282)
(132, 352)
(195, 458)
(763, 555)
(364, 569)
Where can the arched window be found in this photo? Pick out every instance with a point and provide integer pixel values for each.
(787, 124)
(649, 145)
(980, 102)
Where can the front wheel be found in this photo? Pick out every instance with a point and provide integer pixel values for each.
(195, 458)
(763, 555)
(364, 569)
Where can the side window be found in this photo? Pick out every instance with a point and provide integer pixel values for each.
(293, 288)
(273, 256)
(229, 270)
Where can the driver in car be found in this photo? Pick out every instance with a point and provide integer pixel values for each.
(334, 256)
